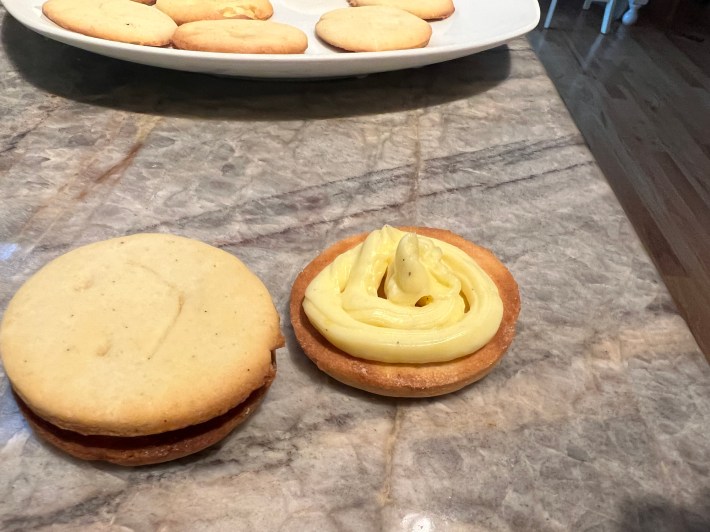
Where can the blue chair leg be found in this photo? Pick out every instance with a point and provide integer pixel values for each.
(608, 12)
(550, 12)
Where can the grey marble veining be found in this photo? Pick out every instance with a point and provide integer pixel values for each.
(597, 418)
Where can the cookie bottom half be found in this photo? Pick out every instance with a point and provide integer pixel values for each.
(151, 449)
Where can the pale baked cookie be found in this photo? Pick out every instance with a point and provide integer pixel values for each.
(400, 379)
(425, 9)
(114, 20)
(240, 36)
(373, 29)
(183, 11)
(140, 349)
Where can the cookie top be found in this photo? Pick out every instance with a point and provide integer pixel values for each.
(114, 20)
(424, 9)
(407, 380)
(183, 11)
(241, 37)
(139, 335)
(373, 29)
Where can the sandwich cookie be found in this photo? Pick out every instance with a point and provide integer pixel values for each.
(140, 349)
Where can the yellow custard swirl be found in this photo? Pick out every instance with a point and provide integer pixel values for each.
(437, 303)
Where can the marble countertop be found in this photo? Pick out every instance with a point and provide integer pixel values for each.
(597, 418)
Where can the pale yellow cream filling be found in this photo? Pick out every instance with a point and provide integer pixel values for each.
(435, 304)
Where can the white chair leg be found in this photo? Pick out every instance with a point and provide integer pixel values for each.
(587, 4)
(550, 12)
(608, 12)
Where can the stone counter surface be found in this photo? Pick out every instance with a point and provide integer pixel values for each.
(597, 418)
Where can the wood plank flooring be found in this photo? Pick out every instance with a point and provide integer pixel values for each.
(641, 98)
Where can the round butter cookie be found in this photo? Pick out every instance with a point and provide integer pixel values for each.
(373, 29)
(240, 37)
(424, 9)
(114, 20)
(401, 379)
(140, 349)
(183, 11)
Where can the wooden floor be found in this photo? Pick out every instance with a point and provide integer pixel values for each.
(641, 98)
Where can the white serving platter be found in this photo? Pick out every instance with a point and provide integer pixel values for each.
(476, 25)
